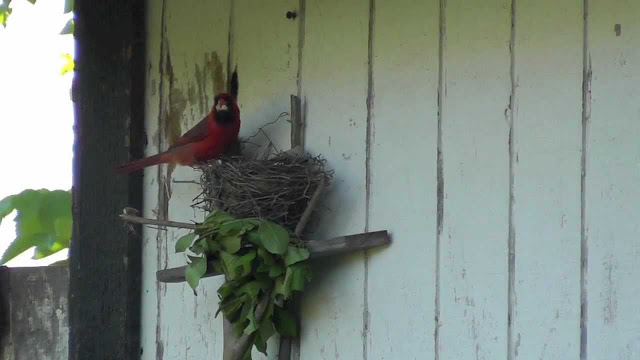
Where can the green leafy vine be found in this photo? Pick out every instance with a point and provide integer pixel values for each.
(262, 264)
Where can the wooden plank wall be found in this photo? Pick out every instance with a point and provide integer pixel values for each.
(495, 141)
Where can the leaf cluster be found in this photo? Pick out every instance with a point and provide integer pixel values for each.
(260, 263)
(44, 221)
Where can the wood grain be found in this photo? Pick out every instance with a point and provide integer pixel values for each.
(612, 179)
(109, 130)
(546, 144)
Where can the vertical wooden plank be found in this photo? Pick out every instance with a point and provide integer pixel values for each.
(108, 94)
(546, 180)
(334, 82)
(475, 153)
(39, 312)
(401, 281)
(612, 179)
(187, 68)
(266, 54)
(265, 51)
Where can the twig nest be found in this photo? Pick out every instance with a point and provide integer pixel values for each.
(276, 188)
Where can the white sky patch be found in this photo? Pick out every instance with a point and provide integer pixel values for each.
(36, 112)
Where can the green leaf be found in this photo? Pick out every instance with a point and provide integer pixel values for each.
(68, 28)
(43, 220)
(254, 238)
(68, 6)
(276, 271)
(22, 244)
(286, 284)
(266, 329)
(295, 254)
(285, 323)
(252, 288)
(301, 275)
(231, 243)
(69, 64)
(253, 324)
(266, 260)
(184, 242)
(200, 247)
(213, 245)
(244, 262)
(32, 1)
(194, 272)
(237, 266)
(228, 263)
(283, 284)
(274, 237)
(6, 206)
(260, 343)
(217, 217)
(240, 226)
(231, 308)
(238, 326)
(5, 11)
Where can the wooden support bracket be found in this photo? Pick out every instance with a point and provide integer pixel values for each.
(317, 249)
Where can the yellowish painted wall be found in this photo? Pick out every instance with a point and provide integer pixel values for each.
(475, 133)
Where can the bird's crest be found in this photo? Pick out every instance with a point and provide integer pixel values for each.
(233, 83)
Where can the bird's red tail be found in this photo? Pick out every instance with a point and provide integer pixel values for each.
(161, 158)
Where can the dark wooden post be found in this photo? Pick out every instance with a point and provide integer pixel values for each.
(105, 258)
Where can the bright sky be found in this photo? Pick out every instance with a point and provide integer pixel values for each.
(36, 113)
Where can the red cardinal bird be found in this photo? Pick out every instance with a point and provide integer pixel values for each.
(210, 138)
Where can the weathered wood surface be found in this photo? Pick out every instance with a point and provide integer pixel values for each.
(188, 48)
(317, 249)
(612, 179)
(324, 54)
(35, 307)
(475, 150)
(265, 49)
(109, 97)
(334, 88)
(546, 143)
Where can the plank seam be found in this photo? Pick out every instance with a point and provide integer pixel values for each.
(584, 245)
(302, 6)
(439, 174)
(512, 352)
(369, 140)
(230, 40)
(162, 198)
